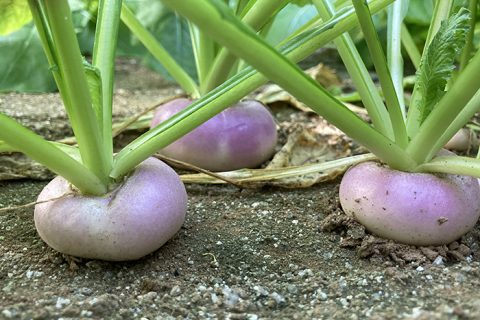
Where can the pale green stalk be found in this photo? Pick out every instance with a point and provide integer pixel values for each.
(224, 28)
(443, 115)
(255, 17)
(359, 74)
(75, 91)
(42, 151)
(467, 50)
(394, 48)
(441, 12)
(464, 166)
(159, 52)
(104, 60)
(410, 46)
(384, 75)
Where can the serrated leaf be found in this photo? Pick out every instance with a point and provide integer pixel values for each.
(437, 63)
(14, 14)
(95, 86)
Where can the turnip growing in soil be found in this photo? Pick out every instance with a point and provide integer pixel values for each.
(119, 206)
(406, 139)
(242, 136)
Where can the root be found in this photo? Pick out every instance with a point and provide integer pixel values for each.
(31, 204)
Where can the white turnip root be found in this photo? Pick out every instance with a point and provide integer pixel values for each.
(133, 220)
(242, 136)
(413, 208)
(463, 140)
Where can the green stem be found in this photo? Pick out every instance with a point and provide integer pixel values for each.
(108, 20)
(441, 12)
(394, 49)
(467, 50)
(256, 17)
(359, 74)
(74, 89)
(159, 52)
(380, 63)
(243, 7)
(422, 147)
(4, 147)
(248, 80)
(44, 152)
(472, 107)
(206, 56)
(465, 166)
(410, 47)
(41, 23)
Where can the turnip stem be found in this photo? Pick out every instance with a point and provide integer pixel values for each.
(467, 50)
(256, 17)
(74, 88)
(384, 75)
(394, 48)
(359, 74)
(452, 164)
(205, 55)
(455, 100)
(410, 47)
(104, 59)
(159, 52)
(440, 13)
(248, 80)
(46, 153)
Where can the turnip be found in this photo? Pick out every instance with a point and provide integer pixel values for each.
(414, 208)
(129, 222)
(242, 136)
(87, 211)
(404, 139)
(463, 140)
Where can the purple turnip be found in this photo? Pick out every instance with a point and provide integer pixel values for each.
(413, 208)
(242, 136)
(133, 220)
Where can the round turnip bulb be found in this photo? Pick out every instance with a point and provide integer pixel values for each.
(414, 208)
(242, 136)
(133, 220)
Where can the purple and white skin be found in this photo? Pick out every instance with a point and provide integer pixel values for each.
(133, 220)
(242, 136)
(413, 208)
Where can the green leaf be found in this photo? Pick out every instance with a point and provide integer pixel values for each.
(14, 14)
(437, 64)
(23, 66)
(169, 29)
(419, 12)
(94, 80)
(288, 20)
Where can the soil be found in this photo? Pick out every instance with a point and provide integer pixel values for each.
(264, 253)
